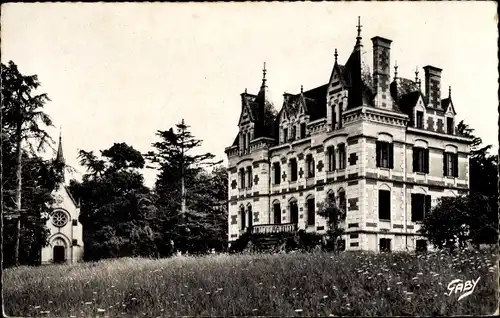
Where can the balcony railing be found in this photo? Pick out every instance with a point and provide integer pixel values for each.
(274, 228)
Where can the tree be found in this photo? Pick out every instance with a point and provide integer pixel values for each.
(23, 121)
(458, 221)
(117, 209)
(180, 186)
(483, 172)
(335, 218)
(472, 218)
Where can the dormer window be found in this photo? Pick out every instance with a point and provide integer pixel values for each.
(294, 132)
(302, 130)
(420, 119)
(334, 117)
(449, 125)
(285, 135)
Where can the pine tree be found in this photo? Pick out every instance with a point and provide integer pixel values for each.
(179, 186)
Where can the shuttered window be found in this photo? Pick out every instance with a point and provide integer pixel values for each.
(420, 206)
(450, 164)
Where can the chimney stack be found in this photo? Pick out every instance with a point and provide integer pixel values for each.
(433, 85)
(381, 71)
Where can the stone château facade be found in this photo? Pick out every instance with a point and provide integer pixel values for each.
(387, 148)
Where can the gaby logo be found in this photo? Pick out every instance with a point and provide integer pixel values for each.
(465, 287)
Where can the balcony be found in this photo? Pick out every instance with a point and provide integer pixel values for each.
(274, 228)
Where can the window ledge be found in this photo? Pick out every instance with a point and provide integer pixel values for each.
(384, 220)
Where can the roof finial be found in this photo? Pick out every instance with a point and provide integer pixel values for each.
(245, 90)
(336, 55)
(359, 28)
(264, 71)
(449, 92)
(301, 89)
(396, 71)
(416, 74)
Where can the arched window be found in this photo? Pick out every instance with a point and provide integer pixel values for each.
(310, 166)
(250, 177)
(342, 200)
(294, 212)
(277, 212)
(277, 172)
(242, 178)
(311, 211)
(242, 218)
(250, 216)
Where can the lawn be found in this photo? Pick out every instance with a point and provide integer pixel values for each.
(351, 283)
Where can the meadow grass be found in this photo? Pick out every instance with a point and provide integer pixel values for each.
(351, 283)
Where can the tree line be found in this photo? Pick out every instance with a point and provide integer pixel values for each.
(120, 215)
(186, 209)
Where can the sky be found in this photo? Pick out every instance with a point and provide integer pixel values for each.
(121, 72)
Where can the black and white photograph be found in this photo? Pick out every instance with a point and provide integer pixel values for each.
(257, 159)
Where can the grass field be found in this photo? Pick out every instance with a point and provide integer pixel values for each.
(256, 285)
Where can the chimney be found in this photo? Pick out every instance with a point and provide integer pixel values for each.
(433, 85)
(381, 71)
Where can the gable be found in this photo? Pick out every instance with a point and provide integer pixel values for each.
(64, 200)
(245, 116)
(450, 110)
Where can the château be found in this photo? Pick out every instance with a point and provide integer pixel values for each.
(385, 147)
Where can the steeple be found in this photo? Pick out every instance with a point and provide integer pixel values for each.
(264, 71)
(358, 38)
(60, 157)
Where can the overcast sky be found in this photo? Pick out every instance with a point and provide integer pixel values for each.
(120, 72)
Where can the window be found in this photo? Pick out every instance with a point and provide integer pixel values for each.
(249, 173)
(420, 119)
(294, 133)
(384, 205)
(74, 242)
(242, 178)
(385, 245)
(310, 212)
(293, 169)
(242, 218)
(385, 154)
(285, 135)
(250, 216)
(294, 212)
(342, 201)
(421, 246)
(420, 160)
(59, 218)
(420, 206)
(310, 166)
(340, 116)
(277, 173)
(449, 125)
(331, 198)
(244, 142)
(75, 222)
(334, 118)
(302, 130)
(277, 213)
(342, 156)
(248, 141)
(450, 164)
(331, 158)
